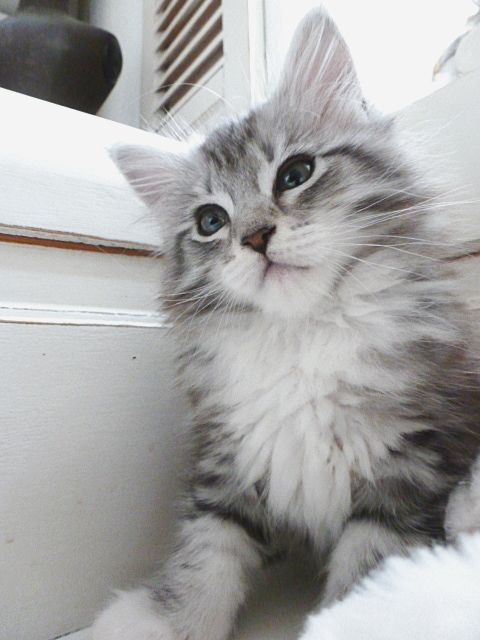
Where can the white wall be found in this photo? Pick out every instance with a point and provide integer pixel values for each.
(88, 466)
(123, 18)
(89, 412)
(445, 126)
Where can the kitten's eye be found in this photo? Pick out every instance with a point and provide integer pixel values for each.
(210, 219)
(294, 172)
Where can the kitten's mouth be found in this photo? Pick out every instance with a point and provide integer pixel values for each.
(279, 269)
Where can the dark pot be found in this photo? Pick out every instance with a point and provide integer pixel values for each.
(47, 54)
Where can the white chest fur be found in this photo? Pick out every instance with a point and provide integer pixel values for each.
(296, 427)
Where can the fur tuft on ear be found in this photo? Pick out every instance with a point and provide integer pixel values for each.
(318, 67)
(151, 172)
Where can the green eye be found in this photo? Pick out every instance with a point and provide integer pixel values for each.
(294, 172)
(210, 219)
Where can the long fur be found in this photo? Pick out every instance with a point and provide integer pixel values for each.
(335, 400)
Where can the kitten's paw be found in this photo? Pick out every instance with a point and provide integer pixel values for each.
(132, 616)
(463, 509)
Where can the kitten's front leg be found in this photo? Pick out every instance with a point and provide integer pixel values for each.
(362, 545)
(463, 508)
(202, 586)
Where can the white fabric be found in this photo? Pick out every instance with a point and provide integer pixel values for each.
(434, 595)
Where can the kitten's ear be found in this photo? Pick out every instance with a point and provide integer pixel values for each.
(152, 173)
(318, 66)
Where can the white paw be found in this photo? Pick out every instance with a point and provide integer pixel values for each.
(463, 509)
(132, 616)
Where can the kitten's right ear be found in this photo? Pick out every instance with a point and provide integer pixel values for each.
(152, 173)
(318, 68)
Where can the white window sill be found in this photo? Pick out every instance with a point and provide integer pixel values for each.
(58, 181)
(63, 197)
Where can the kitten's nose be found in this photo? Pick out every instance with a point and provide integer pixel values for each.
(258, 241)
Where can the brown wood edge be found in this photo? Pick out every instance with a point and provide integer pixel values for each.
(143, 253)
(74, 245)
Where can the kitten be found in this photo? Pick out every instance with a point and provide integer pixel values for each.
(324, 353)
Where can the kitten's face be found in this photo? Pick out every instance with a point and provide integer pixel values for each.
(272, 211)
(262, 235)
(274, 215)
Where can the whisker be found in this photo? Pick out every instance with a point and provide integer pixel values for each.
(375, 264)
(387, 246)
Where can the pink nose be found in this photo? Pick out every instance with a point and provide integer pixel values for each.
(258, 241)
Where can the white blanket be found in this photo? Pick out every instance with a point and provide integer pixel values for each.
(434, 595)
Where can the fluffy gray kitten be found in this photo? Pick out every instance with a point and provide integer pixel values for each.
(324, 353)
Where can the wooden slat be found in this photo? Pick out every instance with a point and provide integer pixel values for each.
(179, 25)
(168, 89)
(172, 14)
(194, 77)
(198, 23)
(163, 24)
(190, 46)
(201, 100)
(189, 60)
(164, 6)
(169, 19)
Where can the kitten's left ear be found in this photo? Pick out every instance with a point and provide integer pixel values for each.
(152, 173)
(318, 67)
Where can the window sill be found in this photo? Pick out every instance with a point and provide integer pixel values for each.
(58, 182)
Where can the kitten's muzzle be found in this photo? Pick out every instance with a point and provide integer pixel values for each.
(258, 241)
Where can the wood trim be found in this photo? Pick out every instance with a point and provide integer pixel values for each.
(125, 251)
(81, 317)
(73, 246)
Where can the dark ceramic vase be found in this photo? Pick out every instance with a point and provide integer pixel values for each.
(47, 54)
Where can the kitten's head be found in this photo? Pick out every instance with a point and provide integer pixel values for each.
(269, 211)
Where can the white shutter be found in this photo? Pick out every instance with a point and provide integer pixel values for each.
(202, 60)
(189, 59)
(190, 48)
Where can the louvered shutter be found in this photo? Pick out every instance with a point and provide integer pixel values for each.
(202, 64)
(190, 58)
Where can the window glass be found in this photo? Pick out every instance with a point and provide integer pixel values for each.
(395, 43)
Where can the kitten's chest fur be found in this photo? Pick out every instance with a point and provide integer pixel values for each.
(298, 423)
